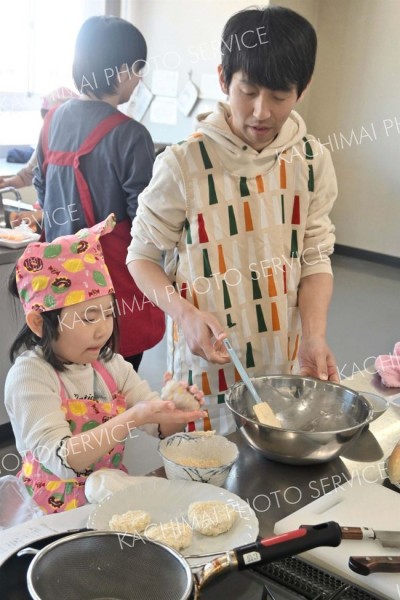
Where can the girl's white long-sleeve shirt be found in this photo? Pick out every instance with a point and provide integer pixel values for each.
(33, 401)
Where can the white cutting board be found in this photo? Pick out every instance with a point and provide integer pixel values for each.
(354, 504)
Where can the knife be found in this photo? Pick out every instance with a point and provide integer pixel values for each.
(365, 565)
(388, 539)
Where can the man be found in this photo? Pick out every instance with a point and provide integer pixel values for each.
(241, 210)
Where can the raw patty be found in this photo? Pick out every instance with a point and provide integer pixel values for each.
(133, 521)
(212, 517)
(174, 534)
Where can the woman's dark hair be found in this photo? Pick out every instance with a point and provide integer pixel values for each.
(275, 47)
(103, 45)
(26, 339)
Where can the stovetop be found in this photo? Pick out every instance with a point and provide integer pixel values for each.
(287, 579)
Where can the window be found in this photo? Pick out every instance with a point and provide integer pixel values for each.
(36, 52)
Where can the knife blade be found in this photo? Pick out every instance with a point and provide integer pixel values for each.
(365, 565)
(388, 539)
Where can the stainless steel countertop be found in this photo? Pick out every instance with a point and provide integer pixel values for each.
(9, 255)
(275, 490)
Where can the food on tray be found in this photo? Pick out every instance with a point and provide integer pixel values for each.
(212, 517)
(181, 397)
(12, 236)
(133, 521)
(393, 465)
(175, 534)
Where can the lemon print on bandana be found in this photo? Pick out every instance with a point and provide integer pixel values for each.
(71, 504)
(51, 486)
(27, 469)
(75, 298)
(77, 407)
(73, 265)
(89, 258)
(40, 283)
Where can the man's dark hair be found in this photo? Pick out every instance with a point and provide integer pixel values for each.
(102, 46)
(275, 47)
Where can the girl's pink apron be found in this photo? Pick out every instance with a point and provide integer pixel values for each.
(52, 493)
(141, 324)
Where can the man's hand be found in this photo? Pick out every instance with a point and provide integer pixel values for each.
(204, 334)
(317, 360)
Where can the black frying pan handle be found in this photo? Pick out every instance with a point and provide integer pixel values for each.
(294, 542)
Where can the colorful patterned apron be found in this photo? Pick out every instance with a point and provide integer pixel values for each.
(52, 493)
(239, 259)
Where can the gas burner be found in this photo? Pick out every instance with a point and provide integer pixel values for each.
(295, 579)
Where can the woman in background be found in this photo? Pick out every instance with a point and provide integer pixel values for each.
(24, 177)
(94, 160)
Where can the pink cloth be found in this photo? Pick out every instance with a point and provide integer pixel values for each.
(69, 270)
(388, 367)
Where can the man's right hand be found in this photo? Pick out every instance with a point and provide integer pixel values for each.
(204, 334)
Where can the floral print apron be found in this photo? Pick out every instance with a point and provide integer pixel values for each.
(49, 491)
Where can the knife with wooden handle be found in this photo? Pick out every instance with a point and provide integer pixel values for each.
(388, 539)
(365, 565)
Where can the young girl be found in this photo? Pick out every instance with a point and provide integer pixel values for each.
(72, 401)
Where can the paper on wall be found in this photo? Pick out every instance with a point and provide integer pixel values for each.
(165, 83)
(164, 110)
(139, 102)
(188, 98)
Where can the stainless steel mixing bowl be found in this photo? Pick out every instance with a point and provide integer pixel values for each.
(319, 419)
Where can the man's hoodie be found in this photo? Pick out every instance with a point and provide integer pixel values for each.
(235, 154)
(162, 206)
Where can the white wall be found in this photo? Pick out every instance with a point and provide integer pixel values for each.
(187, 32)
(356, 89)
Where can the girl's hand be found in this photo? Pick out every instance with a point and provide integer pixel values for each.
(163, 412)
(185, 396)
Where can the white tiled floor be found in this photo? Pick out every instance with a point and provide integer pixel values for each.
(363, 322)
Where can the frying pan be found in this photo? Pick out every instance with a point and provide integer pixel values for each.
(13, 584)
(107, 565)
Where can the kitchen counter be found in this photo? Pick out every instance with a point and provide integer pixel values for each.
(275, 490)
(9, 256)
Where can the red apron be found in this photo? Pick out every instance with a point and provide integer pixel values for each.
(141, 324)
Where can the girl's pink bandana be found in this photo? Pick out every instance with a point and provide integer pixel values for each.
(67, 271)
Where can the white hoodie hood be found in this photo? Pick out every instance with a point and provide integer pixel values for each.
(236, 155)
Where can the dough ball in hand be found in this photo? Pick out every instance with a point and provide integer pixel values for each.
(181, 397)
